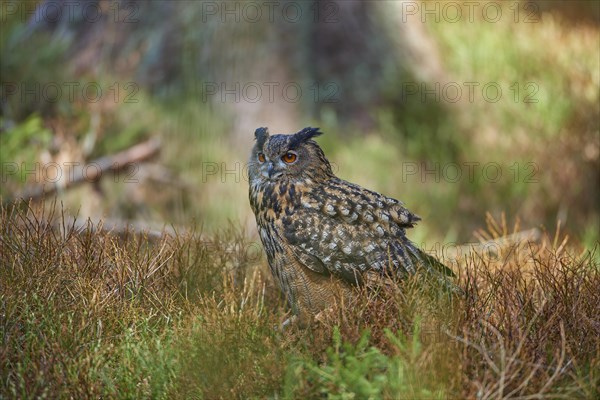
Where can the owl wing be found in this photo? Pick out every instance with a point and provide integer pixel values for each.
(346, 230)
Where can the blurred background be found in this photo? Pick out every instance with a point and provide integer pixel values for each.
(144, 112)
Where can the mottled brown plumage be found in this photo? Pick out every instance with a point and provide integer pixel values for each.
(323, 235)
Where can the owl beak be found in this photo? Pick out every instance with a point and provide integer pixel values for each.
(271, 172)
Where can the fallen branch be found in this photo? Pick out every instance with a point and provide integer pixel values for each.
(91, 172)
(455, 252)
(124, 228)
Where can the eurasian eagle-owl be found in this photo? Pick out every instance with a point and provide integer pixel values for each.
(323, 235)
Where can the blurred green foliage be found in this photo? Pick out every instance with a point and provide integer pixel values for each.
(25, 67)
(542, 133)
(25, 141)
(19, 151)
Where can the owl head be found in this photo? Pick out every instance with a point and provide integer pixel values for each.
(292, 158)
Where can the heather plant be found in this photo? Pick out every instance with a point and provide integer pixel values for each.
(88, 312)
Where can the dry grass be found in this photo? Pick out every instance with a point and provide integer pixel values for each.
(531, 322)
(86, 314)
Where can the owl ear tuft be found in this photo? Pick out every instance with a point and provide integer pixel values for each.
(261, 135)
(304, 135)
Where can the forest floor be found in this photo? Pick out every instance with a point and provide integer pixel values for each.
(90, 313)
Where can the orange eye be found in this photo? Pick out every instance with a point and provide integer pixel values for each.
(261, 157)
(289, 157)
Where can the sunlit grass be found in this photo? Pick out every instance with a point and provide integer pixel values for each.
(92, 314)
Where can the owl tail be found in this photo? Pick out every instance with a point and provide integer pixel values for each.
(432, 263)
(433, 267)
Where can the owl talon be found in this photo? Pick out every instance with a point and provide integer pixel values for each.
(288, 322)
